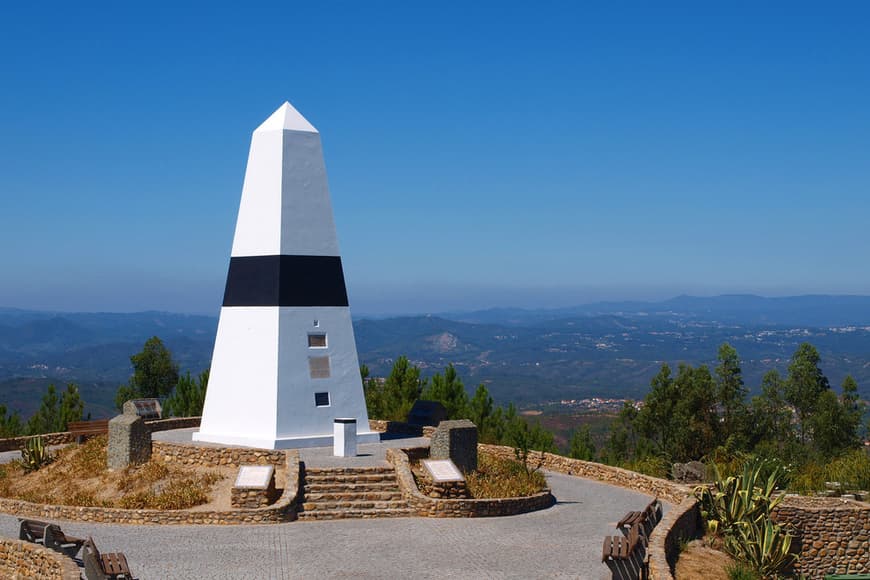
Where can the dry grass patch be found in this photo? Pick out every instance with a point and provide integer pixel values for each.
(79, 477)
(495, 478)
(500, 478)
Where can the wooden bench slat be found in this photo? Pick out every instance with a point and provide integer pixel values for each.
(112, 565)
(81, 426)
(115, 563)
(623, 547)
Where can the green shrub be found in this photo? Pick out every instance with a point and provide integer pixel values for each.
(725, 461)
(851, 469)
(652, 465)
(738, 571)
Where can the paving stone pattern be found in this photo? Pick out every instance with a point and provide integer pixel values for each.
(563, 541)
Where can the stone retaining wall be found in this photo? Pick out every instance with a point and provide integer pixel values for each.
(17, 443)
(173, 423)
(682, 522)
(832, 535)
(281, 511)
(442, 490)
(665, 490)
(206, 455)
(460, 508)
(25, 560)
(253, 497)
(65, 437)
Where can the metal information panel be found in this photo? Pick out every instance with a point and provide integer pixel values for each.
(256, 476)
(145, 408)
(442, 470)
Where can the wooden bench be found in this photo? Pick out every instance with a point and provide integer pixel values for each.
(50, 536)
(626, 555)
(83, 429)
(648, 518)
(103, 566)
(60, 542)
(32, 531)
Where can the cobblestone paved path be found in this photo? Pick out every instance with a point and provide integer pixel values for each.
(561, 542)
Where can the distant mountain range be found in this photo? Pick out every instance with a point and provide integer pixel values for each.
(747, 309)
(526, 356)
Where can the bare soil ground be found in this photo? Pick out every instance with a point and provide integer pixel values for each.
(701, 562)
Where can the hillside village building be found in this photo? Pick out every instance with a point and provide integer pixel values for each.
(285, 363)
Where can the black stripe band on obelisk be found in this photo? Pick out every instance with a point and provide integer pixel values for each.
(285, 281)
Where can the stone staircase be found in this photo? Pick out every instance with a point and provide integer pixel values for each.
(331, 493)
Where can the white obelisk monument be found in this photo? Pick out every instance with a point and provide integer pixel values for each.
(285, 364)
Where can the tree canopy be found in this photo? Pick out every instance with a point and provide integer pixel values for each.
(55, 413)
(188, 397)
(155, 373)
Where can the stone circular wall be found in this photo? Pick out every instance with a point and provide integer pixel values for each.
(460, 508)
(663, 489)
(281, 511)
(832, 535)
(24, 560)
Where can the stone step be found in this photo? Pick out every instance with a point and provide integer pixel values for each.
(352, 505)
(401, 512)
(350, 487)
(353, 496)
(349, 478)
(349, 470)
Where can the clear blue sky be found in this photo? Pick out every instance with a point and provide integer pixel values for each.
(537, 154)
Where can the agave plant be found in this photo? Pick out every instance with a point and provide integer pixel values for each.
(738, 508)
(761, 544)
(35, 454)
(740, 498)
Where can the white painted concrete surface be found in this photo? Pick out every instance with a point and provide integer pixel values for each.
(262, 387)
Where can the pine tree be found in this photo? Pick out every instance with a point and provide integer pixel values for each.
(449, 391)
(581, 445)
(10, 424)
(373, 392)
(401, 389)
(731, 393)
(771, 414)
(853, 405)
(45, 420)
(188, 397)
(480, 412)
(72, 407)
(804, 385)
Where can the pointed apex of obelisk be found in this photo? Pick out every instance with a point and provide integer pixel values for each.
(286, 118)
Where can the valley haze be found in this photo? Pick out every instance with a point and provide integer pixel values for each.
(530, 357)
